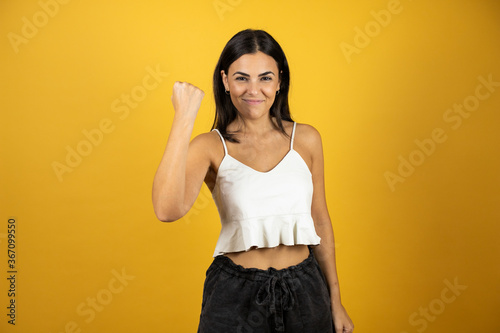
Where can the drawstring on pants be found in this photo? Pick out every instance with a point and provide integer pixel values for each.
(268, 294)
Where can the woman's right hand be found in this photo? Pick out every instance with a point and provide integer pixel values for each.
(186, 99)
(183, 166)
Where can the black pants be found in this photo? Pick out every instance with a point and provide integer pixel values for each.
(244, 300)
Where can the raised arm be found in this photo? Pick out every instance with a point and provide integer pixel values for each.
(183, 167)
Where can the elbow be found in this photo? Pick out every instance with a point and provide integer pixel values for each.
(168, 215)
(167, 218)
(168, 209)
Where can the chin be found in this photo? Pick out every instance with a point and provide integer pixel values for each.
(254, 113)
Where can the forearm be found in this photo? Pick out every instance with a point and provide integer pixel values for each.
(169, 185)
(325, 255)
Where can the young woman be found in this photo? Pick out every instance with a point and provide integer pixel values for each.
(274, 266)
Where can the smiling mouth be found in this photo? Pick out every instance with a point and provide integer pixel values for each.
(253, 101)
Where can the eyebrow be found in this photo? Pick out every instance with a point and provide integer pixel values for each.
(263, 74)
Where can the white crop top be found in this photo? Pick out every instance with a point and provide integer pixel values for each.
(264, 209)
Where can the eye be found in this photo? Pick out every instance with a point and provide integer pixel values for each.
(241, 78)
(266, 78)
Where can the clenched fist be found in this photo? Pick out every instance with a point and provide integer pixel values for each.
(186, 98)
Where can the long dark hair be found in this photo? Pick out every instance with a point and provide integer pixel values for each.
(249, 42)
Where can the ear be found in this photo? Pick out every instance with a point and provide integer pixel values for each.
(279, 80)
(224, 79)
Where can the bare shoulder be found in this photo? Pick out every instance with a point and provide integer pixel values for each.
(307, 142)
(307, 136)
(206, 139)
(209, 144)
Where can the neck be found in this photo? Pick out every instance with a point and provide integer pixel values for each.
(252, 127)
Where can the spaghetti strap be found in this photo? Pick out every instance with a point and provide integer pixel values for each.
(222, 139)
(293, 135)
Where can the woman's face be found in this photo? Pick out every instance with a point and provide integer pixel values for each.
(252, 81)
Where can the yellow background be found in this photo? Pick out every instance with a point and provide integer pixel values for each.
(396, 246)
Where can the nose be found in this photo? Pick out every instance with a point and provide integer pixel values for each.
(253, 88)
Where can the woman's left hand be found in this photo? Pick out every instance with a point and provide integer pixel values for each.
(341, 320)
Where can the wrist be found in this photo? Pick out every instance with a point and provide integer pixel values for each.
(335, 296)
(336, 305)
(184, 120)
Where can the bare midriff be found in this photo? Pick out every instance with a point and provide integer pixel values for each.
(279, 257)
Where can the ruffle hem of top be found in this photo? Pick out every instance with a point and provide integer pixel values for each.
(292, 229)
